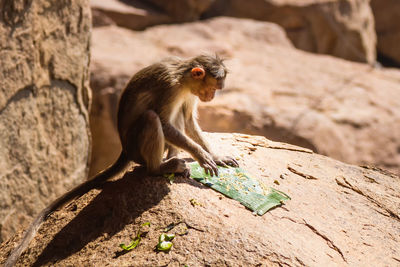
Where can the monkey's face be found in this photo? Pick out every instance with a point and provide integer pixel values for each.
(207, 90)
(206, 84)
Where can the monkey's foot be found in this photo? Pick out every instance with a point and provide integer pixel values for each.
(175, 165)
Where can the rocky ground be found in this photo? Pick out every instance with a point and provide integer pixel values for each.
(338, 215)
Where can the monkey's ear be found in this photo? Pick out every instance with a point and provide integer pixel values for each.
(198, 73)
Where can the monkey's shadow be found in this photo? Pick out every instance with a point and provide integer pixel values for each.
(118, 204)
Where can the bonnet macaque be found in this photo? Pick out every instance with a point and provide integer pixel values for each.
(157, 112)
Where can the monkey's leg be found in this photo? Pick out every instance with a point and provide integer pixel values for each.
(172, 151)
(152, 144)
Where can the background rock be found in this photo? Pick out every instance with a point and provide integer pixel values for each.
(345, 110)
(342, 28)
(339, 215)
(44, 100)
(387, 14)
(183, 10)
(132, 14)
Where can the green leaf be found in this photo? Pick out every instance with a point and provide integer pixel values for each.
(169, 237)
(136, 240)
(165, 237)
(239, 185)
(161, 238)
(132, 245)
(164, 246)
(170, 177)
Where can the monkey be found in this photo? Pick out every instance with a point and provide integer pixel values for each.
(159, 104)
(157, 113)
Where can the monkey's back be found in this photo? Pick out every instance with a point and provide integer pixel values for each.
(149, 89)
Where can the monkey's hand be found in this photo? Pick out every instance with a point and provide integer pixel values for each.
(206, 161)
(225, 161)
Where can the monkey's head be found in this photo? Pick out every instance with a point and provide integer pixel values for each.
(207, 74)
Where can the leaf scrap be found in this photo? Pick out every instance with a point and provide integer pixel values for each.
(136, 240)
(164, 242)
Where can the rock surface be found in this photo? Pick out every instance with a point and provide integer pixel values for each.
(387, 14)
(184, 10)
(44, 100)
(329, 105)
(139, 14)
(134, 14)
(338, 215)
(342, 28)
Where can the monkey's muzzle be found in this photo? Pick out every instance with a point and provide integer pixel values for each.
(207, 94)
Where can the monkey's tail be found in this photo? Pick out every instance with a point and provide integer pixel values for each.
(120, 164)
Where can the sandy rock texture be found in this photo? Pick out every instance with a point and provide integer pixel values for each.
(338, 215)
(44, 100)
(346, 110)
(387, 18)
(342, 28)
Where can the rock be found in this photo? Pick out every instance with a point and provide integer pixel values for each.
(387, 14)
(342, 28)
(329, 105)
(343, 216)
(183, 10)
(44, 102)
(133, 14)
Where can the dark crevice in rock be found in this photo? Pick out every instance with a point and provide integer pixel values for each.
(312, 228)
(306, 176)
(348, 185)
(20, 94)
(13, 12)
(328, 241)
(387, 61)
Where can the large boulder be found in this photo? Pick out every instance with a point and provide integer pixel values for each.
(342, 28)
(345, 110)
(387, 14)
(44, 101)
(338, 215)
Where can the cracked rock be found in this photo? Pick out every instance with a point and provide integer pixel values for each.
(324, 223)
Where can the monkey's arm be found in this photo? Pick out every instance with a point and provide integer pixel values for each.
(194, 131)
(176, 138)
